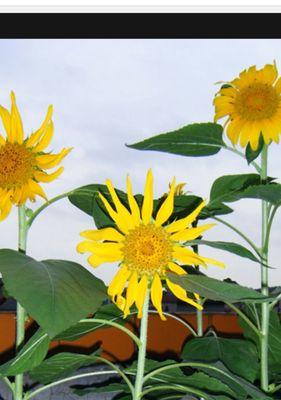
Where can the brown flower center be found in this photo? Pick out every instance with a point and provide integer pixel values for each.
(147, 249)
(17, 164)
(256, 102)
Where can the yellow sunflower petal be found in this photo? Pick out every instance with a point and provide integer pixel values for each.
(108, 249)
(2, 140)
(207, 260)
(120, 208)
(180, 293)
(96, 260)
(147, 206)
(41, 176)
(5, 209)
(191, 233)
(118, 283)
(47, 161)
(120, 222)
(156, 295)
(36, 189)
(33, 139)
(131, 293)
(176, 268)
(187, 256)
(167, 207)
(184, 222)
(268, 74)
(109, 234)
(45, 140)
(135, 210)
(17, 133)
(140, 295)
(6, 120)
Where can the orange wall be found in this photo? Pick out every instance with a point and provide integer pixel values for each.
(164, 336)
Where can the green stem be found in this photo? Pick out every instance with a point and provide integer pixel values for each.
(71, 378)
(115, 325)
(45, 205)
(245, 318)
(20, 332)
(254, 247)
(264, 279)
(142, 349)
(239, 153)
(179, 388)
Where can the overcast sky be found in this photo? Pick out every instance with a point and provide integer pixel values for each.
(110, 92)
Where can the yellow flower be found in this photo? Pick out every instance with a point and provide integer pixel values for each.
(252, 104)
(23, 160)
(145, 247)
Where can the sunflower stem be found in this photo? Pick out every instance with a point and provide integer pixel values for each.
(142, 349)
(265, 307)
(20, 319)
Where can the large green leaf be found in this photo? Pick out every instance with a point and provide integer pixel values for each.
(230, 247)
(104, 388)
(214, 289)
(240, 386)
(197, 380)
(193, 140)
(31, 355)
(274, 338)
(108, 312)
(234, 353)
(56, 293)
(60, 366)
(230, 188)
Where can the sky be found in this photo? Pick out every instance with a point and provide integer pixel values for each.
(109, 92)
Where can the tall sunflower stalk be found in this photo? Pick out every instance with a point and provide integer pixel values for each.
(147, 248)
(23, 162)
(252, 104)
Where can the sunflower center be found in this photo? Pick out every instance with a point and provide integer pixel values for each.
(257, 101)
(147, 249)
(17, 164)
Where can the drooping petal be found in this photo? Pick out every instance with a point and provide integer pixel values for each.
(131, 293)
(134, 207)
(17, 133)
(36, 189)
(41, 176)
(140, 295)
(166, 209)
(180, 293)
(107, 249)
(118, 283)
(109, 234)
(157, 294)
(183, 223)
(48, 161)
(176, 268)
(45, 140)
(147, 206)
(33, 139)
(191, 233)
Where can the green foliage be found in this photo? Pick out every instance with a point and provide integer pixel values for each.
(105, 388)
(108, 312)
(274, 338)
(61, 365)
(31, 355)
(56, 293)
(250, 154)
(232, 352)
(217, 290)
(230, 188)
(230, 247)
(195, 140)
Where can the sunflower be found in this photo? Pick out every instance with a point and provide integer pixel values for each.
(23, 160)
(146, 248)
(252, 104)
